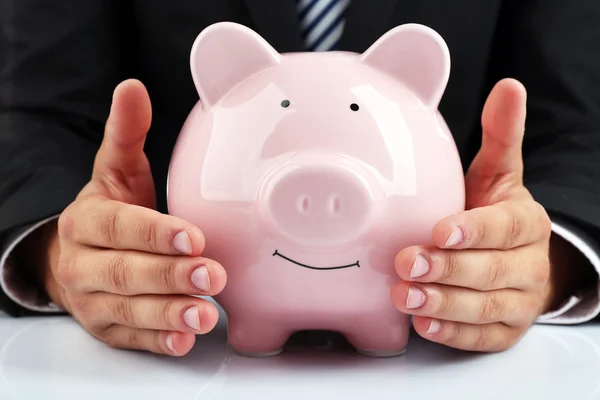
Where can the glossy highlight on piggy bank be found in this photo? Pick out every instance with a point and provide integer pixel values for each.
(307, 173)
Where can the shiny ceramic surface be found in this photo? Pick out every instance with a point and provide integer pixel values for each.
(308, 172)
(54, 359)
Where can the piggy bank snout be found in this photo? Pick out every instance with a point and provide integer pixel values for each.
(320, 205)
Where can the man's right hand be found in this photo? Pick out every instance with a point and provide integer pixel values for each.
(123, 270)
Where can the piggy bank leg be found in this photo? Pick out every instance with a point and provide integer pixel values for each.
(255, 338)
(382, 337)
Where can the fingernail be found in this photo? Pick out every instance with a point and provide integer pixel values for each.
(170, 342)
(415, 299)
(420, 267)
(182, 243)
(191, 316)
(455, 237)
(200, 279)
(434, 327)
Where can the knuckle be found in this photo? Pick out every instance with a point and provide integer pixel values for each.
(82, 306)
(65, 272)
(454, 334)
(484, 233)
(446, 303)
(118, 272)
(452, 266)
(66, 223)
(156, 342)
(165, 312)
(482, 340)
(497, 271)
(111, 339)
(515, 230)
(134, 338)
(540, 271)
(124, 312)
(167, 275)
(108, 227)
(492, 309)
(147, 232)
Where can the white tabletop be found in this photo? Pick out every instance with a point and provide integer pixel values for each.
(53, 358)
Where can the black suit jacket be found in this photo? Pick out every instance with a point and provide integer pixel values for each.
(61, 59)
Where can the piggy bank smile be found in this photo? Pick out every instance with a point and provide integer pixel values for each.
(307, 173)
(276, 253)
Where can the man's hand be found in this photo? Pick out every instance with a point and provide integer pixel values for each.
(486, 278)
(123, 270)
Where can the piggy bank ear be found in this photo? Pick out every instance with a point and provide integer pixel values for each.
(223, 55)
(416, 55)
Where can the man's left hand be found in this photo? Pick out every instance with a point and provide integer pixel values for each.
(486, 278)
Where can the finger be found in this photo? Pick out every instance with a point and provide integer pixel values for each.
(452, 303)
(503, 123)
(482, 270)
(185, 314)
(494, 337)
(122, 149)
(504, 225)
(134, 273)
(117, 225)
(159, 342)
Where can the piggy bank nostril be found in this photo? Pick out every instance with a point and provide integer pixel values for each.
(335, 204)
(304, 204)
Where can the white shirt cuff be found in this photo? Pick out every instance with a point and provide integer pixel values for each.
(581, 307)
(12, 281)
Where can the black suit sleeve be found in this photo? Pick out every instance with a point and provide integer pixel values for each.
(553, 48)
(59, 63)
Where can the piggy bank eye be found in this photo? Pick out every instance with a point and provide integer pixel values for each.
(354, 107)
(285, 103)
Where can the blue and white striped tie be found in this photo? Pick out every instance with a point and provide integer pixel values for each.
(322, 22)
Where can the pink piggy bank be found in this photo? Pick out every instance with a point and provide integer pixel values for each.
(307, 173)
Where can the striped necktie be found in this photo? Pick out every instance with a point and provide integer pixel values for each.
(322, 22)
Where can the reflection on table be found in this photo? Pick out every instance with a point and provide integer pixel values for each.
(53, 358)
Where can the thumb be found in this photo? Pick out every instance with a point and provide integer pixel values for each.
(503, 122)
(121, 153)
